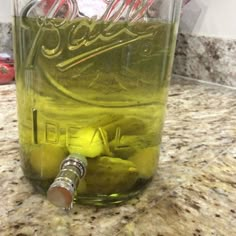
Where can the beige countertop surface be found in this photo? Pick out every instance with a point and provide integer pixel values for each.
(192, 193)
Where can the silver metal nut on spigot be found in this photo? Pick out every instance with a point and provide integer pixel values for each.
(78, 161)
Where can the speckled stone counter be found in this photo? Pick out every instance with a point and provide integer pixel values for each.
(193, 193)
(206, 58)
(5, 37)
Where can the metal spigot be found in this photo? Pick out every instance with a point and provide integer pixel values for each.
(62, 190)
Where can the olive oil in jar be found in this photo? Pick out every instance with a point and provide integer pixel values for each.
(97, 88)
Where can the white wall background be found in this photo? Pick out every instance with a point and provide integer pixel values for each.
(5, 10)
(215, 18)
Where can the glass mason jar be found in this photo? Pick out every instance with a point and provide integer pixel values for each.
(92, 81)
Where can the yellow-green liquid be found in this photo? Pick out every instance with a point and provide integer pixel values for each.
(95, 88)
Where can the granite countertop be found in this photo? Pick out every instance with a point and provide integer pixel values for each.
(193, 192)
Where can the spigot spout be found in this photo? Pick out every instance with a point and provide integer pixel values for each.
(62, 190)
